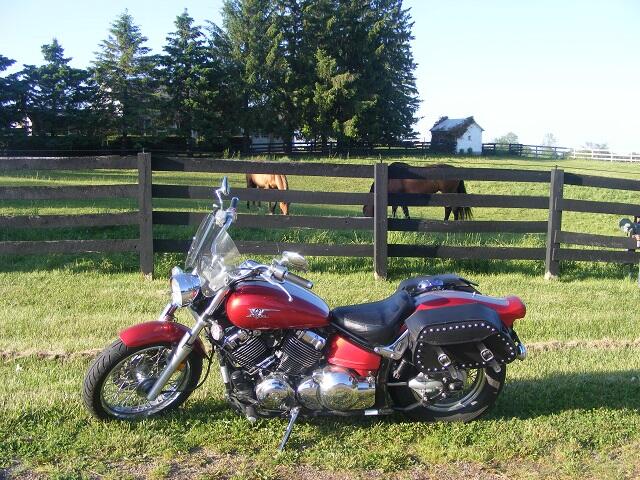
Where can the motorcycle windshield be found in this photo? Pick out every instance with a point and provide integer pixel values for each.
(212, 255)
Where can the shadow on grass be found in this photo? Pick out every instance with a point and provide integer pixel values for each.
(554, 394)
(520, 399)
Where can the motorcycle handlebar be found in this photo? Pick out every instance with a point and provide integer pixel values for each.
(298, 280)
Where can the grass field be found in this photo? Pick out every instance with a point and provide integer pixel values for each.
(572, 410)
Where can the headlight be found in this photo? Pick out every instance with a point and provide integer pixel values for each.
(184, 288)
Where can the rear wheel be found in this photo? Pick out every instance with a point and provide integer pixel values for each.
(480, 389)
(120, 377)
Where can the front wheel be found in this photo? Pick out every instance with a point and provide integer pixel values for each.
(478, 394)
(118, 380)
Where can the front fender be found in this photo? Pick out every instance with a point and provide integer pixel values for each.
(158, 332)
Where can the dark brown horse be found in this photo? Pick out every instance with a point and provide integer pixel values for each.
(423, 187)
(269, 181)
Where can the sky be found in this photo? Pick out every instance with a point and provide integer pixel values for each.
(567, 67)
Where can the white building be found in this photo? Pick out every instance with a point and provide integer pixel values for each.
(456, 135)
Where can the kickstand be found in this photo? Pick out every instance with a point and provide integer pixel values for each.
(287, 433)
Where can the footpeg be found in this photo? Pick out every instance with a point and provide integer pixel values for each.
(287, 433)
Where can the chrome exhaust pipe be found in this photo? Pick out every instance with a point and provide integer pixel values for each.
(522, 351)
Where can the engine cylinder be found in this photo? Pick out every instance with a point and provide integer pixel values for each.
(300, 352)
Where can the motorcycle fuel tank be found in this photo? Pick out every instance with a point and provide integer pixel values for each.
(258, 305)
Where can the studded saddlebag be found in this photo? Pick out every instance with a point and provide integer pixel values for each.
(470, 336)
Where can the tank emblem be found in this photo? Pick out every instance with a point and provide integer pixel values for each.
(259, 313)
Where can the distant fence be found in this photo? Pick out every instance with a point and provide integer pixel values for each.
(415, 148)
(601, 154)
(329, 149)
(380, 250)
(406, 148)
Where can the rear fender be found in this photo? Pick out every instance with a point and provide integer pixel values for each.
(158, 332)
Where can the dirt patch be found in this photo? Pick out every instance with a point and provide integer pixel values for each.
(47, 355)
(601, 344)
(210, 465)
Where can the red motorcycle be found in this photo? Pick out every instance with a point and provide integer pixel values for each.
(436, 349)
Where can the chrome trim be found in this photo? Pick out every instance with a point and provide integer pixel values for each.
(275, 393)
(183, 349)
(522, 351)
(181, 352)
(425, 387)
(167, 313)
(341, 389)
(307, 394)
(310, 338)
(395, 350)
(184, 288)
(423, 297)
(224, 373)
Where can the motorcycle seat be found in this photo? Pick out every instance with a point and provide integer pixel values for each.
(375, 322)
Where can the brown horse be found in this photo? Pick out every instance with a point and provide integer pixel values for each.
(424, 187)
(270, 182)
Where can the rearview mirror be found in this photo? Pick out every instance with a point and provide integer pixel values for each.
(294, 260)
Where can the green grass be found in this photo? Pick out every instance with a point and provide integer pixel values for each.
(566, 412)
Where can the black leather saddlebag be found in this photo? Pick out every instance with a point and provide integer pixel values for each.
(470, 336)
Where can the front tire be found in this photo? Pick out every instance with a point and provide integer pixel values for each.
(474, 401)
(117, 381)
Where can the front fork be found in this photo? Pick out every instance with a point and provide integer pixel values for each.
(185, 346)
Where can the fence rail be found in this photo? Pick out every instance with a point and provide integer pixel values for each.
(84, 192)
(560, 244)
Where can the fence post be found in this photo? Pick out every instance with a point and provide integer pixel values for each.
(145, 213)
(556, 187)
(380, 248)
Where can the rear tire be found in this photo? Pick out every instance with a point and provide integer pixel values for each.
(115, 385)
(478, 401)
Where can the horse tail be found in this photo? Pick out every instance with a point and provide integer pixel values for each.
(282, 184)
(465, 213)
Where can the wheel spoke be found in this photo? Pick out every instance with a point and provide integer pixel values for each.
(121, 393)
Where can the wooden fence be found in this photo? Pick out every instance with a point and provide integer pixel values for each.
(73, 246)
(380, 250)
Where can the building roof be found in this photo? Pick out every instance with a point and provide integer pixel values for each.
(457, 125)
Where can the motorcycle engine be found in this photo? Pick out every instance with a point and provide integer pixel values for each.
(277, 366)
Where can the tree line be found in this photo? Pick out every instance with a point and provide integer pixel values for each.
(314, 69)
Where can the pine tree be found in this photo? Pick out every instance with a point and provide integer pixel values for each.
(185, 76)
(224, 94)
(53, 94)
(365, 89)
(8, 114)
(254, 45)
(124, 73)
